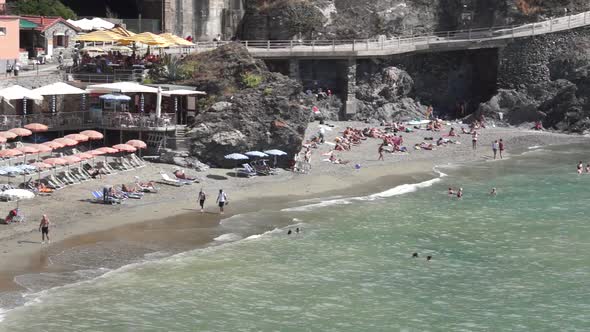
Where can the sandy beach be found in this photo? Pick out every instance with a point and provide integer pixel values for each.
(169, 221)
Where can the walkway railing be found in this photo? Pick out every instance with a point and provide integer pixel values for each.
(458, 39)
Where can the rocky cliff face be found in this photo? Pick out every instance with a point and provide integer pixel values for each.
(248, 107)
(347, 19)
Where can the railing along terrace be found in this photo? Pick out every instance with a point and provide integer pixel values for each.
(121, 120)
(409, 42)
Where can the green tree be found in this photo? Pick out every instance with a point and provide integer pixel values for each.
(43, 8)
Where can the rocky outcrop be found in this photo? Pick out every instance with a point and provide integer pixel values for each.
(248, 108)
(384, 97)
(359, 19)
(182, 159)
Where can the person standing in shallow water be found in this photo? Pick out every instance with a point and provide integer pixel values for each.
(221, 200)
(202, 197)
(474, 140)
(495, 148)
(501, 147)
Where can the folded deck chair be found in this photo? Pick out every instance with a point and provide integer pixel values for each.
(138, 160)
(247, 171)
(168, 180)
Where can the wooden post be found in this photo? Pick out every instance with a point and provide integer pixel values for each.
(353, 42)
(246, 44)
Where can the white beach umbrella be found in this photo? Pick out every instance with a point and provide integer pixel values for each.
(256, 154)
(18, 194)
(237, 157)
(276, 153)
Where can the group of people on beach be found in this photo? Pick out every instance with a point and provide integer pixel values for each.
(221, 201)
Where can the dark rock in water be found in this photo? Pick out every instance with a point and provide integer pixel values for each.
(248, 108)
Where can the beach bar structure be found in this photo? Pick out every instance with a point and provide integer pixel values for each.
(122, 110)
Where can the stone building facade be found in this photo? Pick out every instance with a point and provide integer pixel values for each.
(204, 20)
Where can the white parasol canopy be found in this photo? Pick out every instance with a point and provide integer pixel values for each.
(182, 92)
(236, 156)
(275, 152)
(18, 92)
(122, 87)
(59, 88)
(256, 154)
(18, 194)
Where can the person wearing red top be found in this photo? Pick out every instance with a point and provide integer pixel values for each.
(501, 147)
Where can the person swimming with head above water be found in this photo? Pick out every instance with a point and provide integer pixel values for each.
(460, 193)
(451, 191)
(415, 255)
(580, 167)
(494, 192)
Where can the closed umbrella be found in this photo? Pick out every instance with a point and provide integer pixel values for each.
(237, 157)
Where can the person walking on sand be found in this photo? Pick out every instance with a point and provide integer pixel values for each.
(221, 200)
(474, 139)
(495, 148)
(501, 147)
(381, 148)
(202, 197)
(44, 229)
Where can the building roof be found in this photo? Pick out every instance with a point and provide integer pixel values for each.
(26, 24)
(45, 22)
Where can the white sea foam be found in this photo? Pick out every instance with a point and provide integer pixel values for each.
(396, 191)
(229, 237)
(534, 147)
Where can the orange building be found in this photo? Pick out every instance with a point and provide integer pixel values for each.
(9, 41)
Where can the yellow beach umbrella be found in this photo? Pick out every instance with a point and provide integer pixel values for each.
(122, 31)
(174, 39)
(147, 38)
(99, 36)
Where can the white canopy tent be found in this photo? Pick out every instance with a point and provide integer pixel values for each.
(93, 24)
(182, 92)
(59, 88)
(121, 87)
(18, 92)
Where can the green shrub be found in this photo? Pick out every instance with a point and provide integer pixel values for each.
(267, 91)
(251, 80)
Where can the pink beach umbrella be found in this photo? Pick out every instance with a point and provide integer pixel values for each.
(40, 166)
(84, 155)
(108, 150)
(3, 140)
(92, 135)
(77, 137)
(138, 144)
(124, 148)
(66, 141)
(96, 152)
(22, 132)
(72, 159)
(36, 127)
(55, 161)
(42, 148)
(27, 149)
(8, 135)
(10, 153)
(53, 144)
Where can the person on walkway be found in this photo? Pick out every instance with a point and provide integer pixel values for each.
(221, 200)
(202, 197)
(16, 68)
(501, 147)
(474, 139)
(44, 229)
(495, 148)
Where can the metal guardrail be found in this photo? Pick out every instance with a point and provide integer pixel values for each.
(472, 38)
(86, 119)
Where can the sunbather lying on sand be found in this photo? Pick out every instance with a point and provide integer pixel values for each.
(181, 175)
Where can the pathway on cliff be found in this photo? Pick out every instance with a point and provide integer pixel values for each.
(438, 41)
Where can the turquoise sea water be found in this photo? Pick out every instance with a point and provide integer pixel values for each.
(515, 262)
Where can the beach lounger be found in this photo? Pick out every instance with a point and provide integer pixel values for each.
(138, 160)
(99, 198)
(170, 181)
(53, 183)
(247, 171)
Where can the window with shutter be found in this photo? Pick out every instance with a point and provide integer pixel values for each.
(66, 41)
(54, 41)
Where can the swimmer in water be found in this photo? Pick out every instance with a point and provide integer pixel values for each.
(451, 192)
(289, 232)
(588, 168)
(415, 255)
(297, 230)
(580, 167)
(428, 258)
(494, 192)
(460, 193)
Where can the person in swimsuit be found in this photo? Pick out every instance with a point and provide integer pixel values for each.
(588, 168)
(501, 147)
(474, 139)
(44, 229)
(428, 258)
(451, 192)
(202, 197)
(415, 255)
(221, 200)
(580, 167)
(460, 193)
(495, 148)
(494, 192)
(381, 148)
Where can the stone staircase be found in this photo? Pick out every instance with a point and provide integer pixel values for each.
(180, 142)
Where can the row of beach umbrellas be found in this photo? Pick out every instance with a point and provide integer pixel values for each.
(256, 154)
